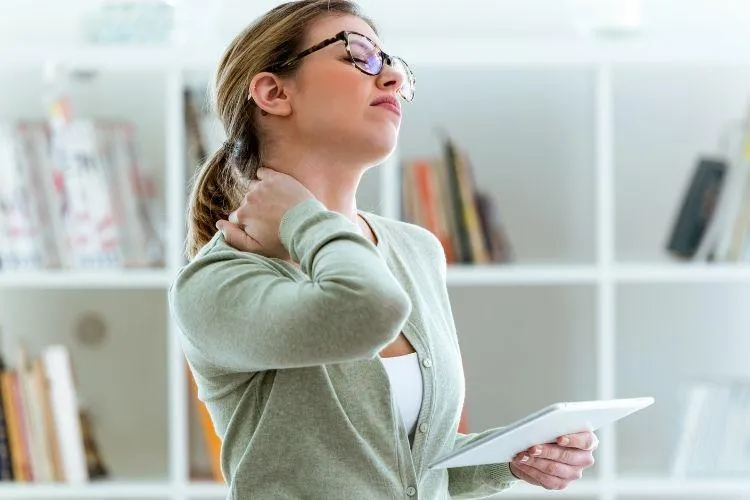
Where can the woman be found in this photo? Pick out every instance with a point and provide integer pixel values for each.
(320, 335)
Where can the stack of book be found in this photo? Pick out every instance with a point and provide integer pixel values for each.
(713, 220)
(715, 435)
(74, 195)
(440, 194)
(45, 436)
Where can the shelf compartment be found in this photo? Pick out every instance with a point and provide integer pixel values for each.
(670, 336)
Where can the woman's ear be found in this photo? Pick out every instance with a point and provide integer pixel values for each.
(267, 90)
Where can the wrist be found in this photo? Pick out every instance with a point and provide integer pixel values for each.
(510, 468)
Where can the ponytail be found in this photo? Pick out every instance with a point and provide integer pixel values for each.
(220, 185)
(208, 202)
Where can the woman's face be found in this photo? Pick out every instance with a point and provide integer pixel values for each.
(334, 103)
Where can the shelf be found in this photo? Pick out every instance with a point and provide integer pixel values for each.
(586, 487)
(682, 273)
(458, 275)
(682, 487)
(104, 278)
(578, 490)
(118, 490)
(520, 274)
(419, 52)
(206, 489)
(522, 490)
(109, 58)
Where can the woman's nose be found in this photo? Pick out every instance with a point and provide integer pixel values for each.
(389, 78)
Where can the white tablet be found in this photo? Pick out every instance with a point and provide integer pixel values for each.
(543, 426)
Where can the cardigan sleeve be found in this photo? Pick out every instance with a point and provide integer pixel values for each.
(238, 313)
(478, 481)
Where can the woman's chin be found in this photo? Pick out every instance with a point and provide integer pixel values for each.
(384, 142)
(371, 148)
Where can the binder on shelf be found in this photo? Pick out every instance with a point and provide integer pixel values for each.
(698, 207)
(713, 223)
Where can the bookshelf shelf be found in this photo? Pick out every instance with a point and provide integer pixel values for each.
(584, 487)
(71, 280)
(682, 273)
(523, 274)
(666, 488)
(458, 275)
(119, 490)
(206, 490)
(101, 58)
(434, 52)
(680, 488)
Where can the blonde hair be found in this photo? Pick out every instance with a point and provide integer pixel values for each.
(272, 39)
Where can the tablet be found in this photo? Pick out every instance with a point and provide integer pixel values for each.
(543, 426)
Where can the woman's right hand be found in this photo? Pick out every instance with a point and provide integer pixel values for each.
(254, 226)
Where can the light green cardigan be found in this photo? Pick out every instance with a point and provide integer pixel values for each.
(286, 360)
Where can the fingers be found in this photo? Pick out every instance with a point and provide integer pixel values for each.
(515, 469)
(540, 478)
(581, 440)
(569, 456)
(552, 467)
(238, 238)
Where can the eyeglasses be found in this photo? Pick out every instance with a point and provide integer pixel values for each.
(367, 57)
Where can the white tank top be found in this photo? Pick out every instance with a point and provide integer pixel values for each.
(406, 384)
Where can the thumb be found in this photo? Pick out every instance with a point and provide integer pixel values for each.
(238, 238)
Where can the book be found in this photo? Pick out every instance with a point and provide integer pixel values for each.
(65, 405)
(698, 207)
(76, 196)
(440, 195)
(714, 437)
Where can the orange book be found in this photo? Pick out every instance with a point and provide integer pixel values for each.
(15, 431)
(427, 184)
(42, 384)
(212, 441)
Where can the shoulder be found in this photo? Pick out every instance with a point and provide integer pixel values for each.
(410, 239)
(406, 229)
(217, 250)
(217, 260)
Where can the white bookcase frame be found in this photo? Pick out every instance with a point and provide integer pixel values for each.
(604, 274)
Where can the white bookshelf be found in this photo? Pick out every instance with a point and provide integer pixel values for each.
(590, 272)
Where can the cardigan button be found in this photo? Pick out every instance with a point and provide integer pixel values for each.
(423, 427)
(427, 362)
(411, 491)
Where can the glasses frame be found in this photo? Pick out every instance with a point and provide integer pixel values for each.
(344, 37)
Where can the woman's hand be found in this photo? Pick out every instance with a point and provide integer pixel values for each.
(254, 226)
(554, 466)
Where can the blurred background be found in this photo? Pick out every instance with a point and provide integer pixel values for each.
(584, 162)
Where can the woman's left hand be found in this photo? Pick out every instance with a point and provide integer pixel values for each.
(553, 466)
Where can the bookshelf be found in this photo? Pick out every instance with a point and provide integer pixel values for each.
(586, 268)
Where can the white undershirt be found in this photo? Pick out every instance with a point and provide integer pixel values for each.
(406, 385)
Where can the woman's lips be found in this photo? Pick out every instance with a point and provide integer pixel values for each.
(389, 106)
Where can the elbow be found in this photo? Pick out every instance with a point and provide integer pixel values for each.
(388, 311)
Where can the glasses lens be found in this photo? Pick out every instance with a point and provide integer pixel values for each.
(366, 56)
(407, 87)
